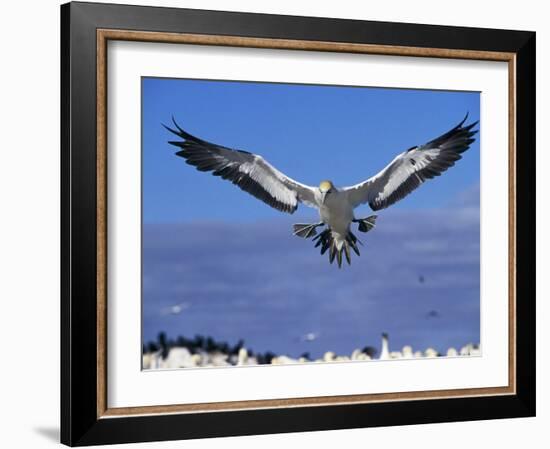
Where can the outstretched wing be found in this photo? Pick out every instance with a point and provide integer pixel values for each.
(250, 172)
(412, 167)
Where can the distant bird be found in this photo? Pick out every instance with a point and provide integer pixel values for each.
(432, 314)
(385, 349)
(430, 353)
(178, 358)
(283, 360)
(407, 352)
(242, 357)
(175, 309)
(452, 352)
(255, 175)
(421, 279)
(310, 336)
(470, 349)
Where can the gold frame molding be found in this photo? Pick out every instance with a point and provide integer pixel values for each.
(105, 35)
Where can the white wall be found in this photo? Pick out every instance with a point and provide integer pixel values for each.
(29, 186)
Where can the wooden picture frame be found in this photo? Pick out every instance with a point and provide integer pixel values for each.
(86, 29)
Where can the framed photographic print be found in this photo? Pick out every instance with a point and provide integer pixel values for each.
(277, 224)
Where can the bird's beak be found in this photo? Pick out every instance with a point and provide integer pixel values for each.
(323, 196)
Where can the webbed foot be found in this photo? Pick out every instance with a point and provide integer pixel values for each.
(306, 230)
(366, 224)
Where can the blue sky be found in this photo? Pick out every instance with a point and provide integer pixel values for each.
(235, 260)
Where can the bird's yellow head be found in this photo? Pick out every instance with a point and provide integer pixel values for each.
(325, 186)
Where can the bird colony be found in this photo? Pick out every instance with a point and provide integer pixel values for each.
(183, 357)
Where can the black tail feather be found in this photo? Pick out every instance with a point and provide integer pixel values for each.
(352, 240)
(326, 242)
(326, 246)
(332, 253)
(346, 252)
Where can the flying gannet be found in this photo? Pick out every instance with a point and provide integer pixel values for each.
(175, 309)
(253, 174)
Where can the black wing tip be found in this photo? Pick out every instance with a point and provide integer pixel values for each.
(463, 120)
(173, 131)
(177, 143)
(458, 132)
(467, 127)
(180, 132)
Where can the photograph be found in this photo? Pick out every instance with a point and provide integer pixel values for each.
(299, 223)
